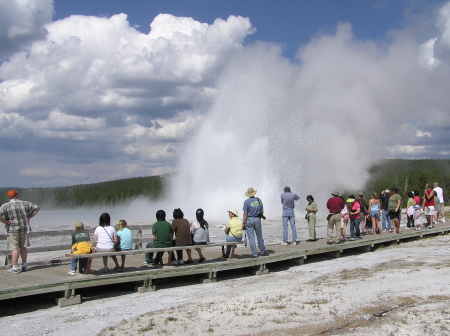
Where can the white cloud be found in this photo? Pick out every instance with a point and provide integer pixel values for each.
(21, 23)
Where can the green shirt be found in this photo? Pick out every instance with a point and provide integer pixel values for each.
(393, 202)
(80, 236)
(313, 205)
(410, 202)
(162, 231)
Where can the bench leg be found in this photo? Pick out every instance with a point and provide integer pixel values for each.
(232, 251)
(69, 298)
(88, 267)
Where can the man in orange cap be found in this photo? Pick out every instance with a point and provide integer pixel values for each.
(16, 215)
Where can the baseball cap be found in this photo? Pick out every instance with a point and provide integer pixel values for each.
(12, 193)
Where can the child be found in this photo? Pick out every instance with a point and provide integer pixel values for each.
(126, 240)
(344, 222)
(417, 217)
(81, 244)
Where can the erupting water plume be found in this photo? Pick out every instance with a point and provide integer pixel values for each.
(273, 124)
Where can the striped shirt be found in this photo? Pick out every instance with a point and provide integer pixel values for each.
(18, 211)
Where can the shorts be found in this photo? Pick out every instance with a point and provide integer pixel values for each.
(105, 250)
(200, 243)
(344, 223)
(375, 214)
(430, 211)
(440, 208)
(394, 214)
(18, 240)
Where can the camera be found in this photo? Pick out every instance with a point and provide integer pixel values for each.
(261, 215)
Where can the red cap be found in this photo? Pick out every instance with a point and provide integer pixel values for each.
(12, 193)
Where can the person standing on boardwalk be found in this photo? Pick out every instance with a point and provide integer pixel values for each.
(334, 205)
(395, 201)
(288, 199)
(362, 203)
(440, 210)
(428, 204)
(311, 209)
(253, 212)
(386, 222)
(355, 218)
(16, 215)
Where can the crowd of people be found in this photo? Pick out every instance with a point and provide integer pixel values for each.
(380, 213)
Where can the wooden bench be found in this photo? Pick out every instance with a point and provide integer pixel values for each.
(153, 250)
(66, 236)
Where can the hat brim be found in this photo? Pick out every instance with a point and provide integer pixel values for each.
(350, 200)
(250, 194)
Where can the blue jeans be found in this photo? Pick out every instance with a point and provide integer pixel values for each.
(289, 216)
(231, 238)
(386, 220)
(74, 263)
(149, 256)
(354, 227)
(254, 228)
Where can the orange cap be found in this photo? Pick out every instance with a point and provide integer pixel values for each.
(12, 193)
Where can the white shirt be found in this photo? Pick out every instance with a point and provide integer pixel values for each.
(440, 194)
(104, 239)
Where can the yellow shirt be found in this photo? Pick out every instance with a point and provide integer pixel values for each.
(235, 225)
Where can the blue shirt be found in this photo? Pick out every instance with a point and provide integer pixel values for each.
(253, 206)
(288, 199)
(126, 239)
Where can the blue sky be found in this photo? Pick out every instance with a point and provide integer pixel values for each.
(288, 22)
(88, 92)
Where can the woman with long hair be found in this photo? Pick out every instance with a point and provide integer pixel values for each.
(375, 213)
(104, 239)
(200, 233)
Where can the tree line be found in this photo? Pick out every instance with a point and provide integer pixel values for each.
(409, 175)
(406, 175)
(96, 194)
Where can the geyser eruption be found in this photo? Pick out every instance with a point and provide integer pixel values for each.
(273, 124)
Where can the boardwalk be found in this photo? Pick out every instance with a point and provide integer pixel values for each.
(50, 278)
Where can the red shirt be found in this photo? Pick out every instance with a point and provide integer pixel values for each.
(429, 198)
(335, 204)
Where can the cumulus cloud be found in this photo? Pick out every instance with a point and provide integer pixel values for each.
(21, 23)
(99, 84)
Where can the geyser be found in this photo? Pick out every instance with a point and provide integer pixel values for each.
(271, 126)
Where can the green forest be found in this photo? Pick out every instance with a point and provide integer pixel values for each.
(95, 194)
(406, 175)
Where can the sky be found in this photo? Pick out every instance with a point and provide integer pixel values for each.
(94, 91)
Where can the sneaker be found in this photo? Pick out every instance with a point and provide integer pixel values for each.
(13, 270)
(431, 227)
(284, 243)
(174, 263)
(122, 269)
(330, 242)
(24, 268)
(254, 256)
(105, 269)
(71, 272)
(117, 269)
(295, 243)
(180, 262)
(359, 237)
(226, 255)
(351, 239)
(201, 260)
(188, 261)
(265, 254)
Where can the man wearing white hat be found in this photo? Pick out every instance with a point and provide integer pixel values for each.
(253, 212)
